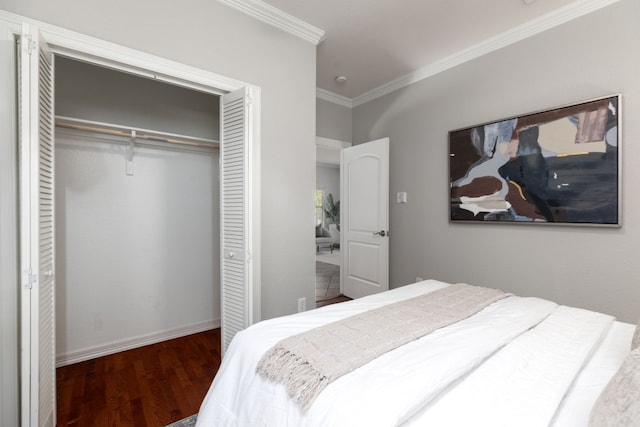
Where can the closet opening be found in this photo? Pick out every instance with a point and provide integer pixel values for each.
(35, 186)
(137, 211)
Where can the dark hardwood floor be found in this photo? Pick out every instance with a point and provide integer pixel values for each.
(149, 386)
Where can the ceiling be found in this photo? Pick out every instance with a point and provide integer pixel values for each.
(374, 42)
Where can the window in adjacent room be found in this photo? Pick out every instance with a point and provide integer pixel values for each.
(319, 206)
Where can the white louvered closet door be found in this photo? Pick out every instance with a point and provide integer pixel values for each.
(235, 214)
(37, 230)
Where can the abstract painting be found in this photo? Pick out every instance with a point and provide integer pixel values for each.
(560, 166)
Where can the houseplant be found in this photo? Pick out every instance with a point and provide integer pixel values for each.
(332, 210)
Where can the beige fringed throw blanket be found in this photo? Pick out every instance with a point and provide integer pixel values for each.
(306, 363)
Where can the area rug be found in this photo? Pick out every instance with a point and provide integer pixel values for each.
(185, 422)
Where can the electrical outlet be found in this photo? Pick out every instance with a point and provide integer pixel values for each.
(419, 279)
(302, 304)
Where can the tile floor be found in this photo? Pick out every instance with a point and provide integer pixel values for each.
(327, 281)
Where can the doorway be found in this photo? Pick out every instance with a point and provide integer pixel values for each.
(327, 219)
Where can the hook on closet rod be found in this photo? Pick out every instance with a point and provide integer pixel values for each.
(132, 141)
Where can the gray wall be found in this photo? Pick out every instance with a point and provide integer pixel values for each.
(594, 268)
(333, 121)
(137, 257)
(214, 37)
(89, 92)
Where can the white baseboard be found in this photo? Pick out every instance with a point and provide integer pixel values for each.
(128, 344)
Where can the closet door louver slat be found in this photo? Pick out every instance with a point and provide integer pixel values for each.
(236, 291)
(46, 269)
(37, 230)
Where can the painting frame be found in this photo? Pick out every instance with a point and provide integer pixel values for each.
(558, 166)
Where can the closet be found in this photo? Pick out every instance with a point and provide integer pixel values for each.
(29, 188)
(137, 213)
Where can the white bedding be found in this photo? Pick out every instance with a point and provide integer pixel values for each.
(457, 371)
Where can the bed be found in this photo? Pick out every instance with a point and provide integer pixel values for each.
(517, 361)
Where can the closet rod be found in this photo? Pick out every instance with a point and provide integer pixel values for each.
(125, 131)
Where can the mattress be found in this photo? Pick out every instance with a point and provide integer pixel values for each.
(518, 359)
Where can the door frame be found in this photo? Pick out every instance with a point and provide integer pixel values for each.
(99, 52)
(9, 271)
(332, 148)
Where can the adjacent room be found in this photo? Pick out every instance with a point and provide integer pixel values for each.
(328, 222)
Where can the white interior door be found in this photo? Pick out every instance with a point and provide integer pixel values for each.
(236, 214)
(364, 228)
(38, 381)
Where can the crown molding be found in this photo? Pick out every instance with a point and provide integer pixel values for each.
(334, 97)
(279, 19)
(543, 23)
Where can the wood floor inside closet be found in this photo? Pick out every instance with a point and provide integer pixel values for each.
(153, 385)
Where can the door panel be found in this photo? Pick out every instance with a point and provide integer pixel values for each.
(365, 218)
(366, 193)
(9, 344)
(37, 230)
(235, 215)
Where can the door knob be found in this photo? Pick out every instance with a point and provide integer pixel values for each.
(380, 233)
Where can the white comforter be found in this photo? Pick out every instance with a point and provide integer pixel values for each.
(513, 361)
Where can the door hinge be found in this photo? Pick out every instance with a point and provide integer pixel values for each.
(30, 279)
(30, 45)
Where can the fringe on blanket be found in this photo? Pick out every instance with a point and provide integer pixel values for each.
(303, 382)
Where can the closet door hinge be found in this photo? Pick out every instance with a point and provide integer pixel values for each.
(30, 44)
(30, 279)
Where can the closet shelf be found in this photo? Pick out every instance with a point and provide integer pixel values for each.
(126, 131)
